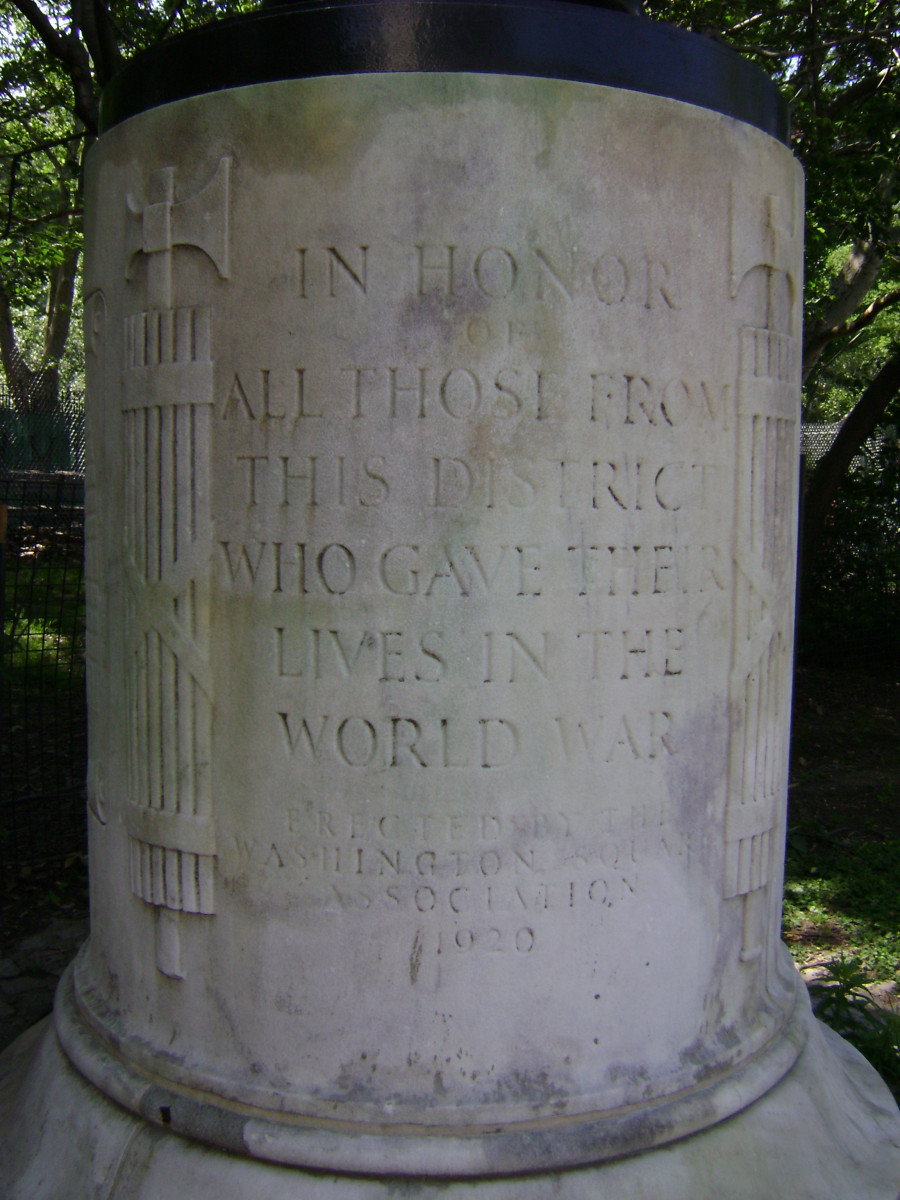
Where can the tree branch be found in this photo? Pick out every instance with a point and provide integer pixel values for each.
(69, 51)
(36, 147)
(854, 433)
(861, 90)
(8, 348)
(92, 19)
(55, 42)
(823, 337)
(851, 285)
(59, 308)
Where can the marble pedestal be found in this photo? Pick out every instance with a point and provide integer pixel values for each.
(828, 1131)
(443, 436)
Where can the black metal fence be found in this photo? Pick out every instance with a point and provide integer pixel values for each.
(42, 704)
(42, 698)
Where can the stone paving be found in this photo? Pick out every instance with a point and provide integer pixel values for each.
(30, 972)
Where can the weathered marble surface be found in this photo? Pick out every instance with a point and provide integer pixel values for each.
(828, 1131)
(444, 440)
(451, 481)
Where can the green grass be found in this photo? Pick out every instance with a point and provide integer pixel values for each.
(43, 625)
(842, 910)
(844, 895)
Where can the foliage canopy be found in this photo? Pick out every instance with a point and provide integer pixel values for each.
(55, 59)
(839, 65)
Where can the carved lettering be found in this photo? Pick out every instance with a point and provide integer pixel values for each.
(535, 273)
(429, 829)
(268, 399)
(647, 570)
(329, 272)
(636, 485)
(622, 400)
(457, 394)
(634, 653)
(508, 656)
(624, 737)
(620, 484)
(487, 743)
(462, 572)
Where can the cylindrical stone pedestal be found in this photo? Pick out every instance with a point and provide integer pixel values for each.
(444, 425)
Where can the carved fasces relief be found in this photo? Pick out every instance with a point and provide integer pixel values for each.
(96, 608)
(764, 282)
(167, 415)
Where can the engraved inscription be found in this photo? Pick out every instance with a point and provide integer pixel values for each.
(639, 484)
(355, 270)
(489, 743)
(448, 486)
(462, 865)
(410, 392)
(498, 273)
(608, 475)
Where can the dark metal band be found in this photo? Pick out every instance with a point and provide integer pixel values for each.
(554, 39)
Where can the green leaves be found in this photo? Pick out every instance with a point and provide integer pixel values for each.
(838, 62)
(54, 59)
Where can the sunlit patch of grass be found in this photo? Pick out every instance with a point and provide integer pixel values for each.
(844, 895)
(842, 911)
(38, 635)
(43, 627)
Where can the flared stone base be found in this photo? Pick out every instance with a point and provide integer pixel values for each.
(829, 1130)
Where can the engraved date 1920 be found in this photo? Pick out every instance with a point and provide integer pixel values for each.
(485, 941)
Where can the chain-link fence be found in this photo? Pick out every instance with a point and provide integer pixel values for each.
(45, 436)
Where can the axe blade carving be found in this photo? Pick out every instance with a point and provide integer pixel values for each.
(762, 235)
(201, 220)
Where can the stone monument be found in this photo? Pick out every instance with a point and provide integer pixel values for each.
(444, 431)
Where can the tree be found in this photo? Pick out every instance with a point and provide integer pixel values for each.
(838, 62)
(55, 58)
(41, 150)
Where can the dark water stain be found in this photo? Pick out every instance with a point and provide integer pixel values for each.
(695, 773)
(415, 958)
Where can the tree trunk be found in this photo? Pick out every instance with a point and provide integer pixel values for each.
(857, 428)
(59, 309)
(852, 284)
(37, 389)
